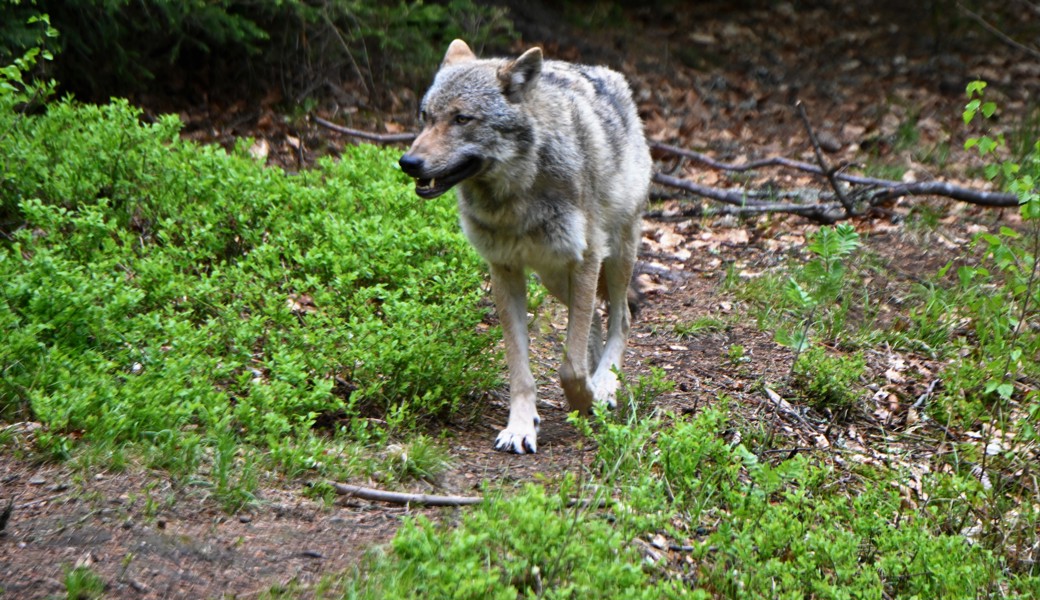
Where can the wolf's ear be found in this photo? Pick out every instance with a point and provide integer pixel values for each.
(458, 52)
(519, 75)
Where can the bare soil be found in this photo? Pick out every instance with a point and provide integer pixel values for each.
(715, 76)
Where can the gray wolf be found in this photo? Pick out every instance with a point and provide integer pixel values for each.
(552, 173)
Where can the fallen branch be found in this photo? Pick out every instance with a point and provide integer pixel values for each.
(886, 189)
(367, 493)
(726, 196)
(744, 204)
(823, 213)
(954, 192)
(889, 189)
(383, 138)
(773, 161)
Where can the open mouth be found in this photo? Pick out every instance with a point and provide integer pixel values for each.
(435, 186)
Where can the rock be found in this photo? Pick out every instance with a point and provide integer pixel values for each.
(828, 141)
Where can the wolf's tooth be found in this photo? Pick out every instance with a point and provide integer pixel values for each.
(433, 182)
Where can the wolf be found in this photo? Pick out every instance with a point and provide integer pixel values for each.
(552, 171)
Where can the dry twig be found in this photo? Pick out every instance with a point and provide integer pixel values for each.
(827, 171)
(382, 138)
(998, 33)
(368, 493)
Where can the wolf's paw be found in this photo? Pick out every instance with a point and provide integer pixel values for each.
(518, 440)
(605, 384)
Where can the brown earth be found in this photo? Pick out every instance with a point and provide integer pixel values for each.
(885, 83)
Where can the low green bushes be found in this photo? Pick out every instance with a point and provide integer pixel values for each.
(150, 285)
(678, 509)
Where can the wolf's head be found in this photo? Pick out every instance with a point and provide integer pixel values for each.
(471, 118)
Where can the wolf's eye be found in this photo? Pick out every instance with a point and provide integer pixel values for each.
(462, 119)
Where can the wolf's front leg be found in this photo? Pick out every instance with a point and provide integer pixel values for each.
(510, 290)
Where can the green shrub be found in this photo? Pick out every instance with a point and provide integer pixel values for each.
(998, 295)
(812, 293)
(722, 522)
(781, 529)
(83, 584)
(829, 381)
(30, 34)
(527, 545)
(151, 285)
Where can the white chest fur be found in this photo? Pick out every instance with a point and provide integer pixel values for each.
(532, 243)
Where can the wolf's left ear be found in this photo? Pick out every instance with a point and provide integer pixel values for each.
(458, 52)
(519, 75)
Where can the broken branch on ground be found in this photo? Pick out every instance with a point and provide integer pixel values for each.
(367, 493)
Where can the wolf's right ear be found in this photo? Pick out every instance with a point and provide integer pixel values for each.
(458, 52)
(519, 75)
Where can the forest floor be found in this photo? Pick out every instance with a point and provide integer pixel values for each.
(883, 84)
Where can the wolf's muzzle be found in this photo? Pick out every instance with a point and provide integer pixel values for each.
(430, 185)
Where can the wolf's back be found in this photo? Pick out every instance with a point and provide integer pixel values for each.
(587, 120)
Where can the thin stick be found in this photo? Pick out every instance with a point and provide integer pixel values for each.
(383, 138)
(817, 212)
(1000, 34)
(773, 161)
(733, 197)
(367, 493)
(827, 171)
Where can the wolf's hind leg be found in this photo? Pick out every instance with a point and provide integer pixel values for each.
(595, 338)
(510, 291)
(581, 308)
(617, 273)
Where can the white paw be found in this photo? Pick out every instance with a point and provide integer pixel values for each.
(605, 386)
(518, 439)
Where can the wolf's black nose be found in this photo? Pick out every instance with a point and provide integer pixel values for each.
(411, 165)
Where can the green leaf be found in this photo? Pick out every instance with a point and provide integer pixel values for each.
(1009, 232)
(966, 275)
(1031, 208)
(975, 88)
(991, 239)
(847, 239)
(797, 295)
(795, 340)
(970, 109)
